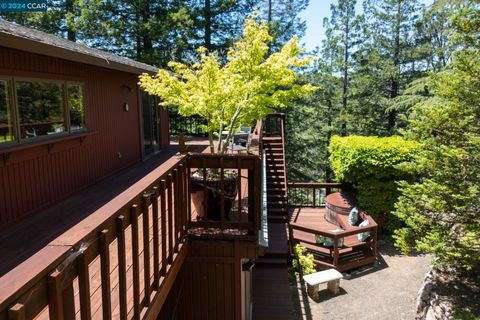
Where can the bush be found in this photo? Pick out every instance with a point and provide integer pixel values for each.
(373, 166)
(303, 263)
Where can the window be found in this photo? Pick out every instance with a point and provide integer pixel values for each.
(42, 108)
(76, 106)
(6, 120)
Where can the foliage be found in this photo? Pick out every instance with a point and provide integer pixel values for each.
(303, 263)
(157, 31)
(373, 165)
(248, 87)
(441, 210)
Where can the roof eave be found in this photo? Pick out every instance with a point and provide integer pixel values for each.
(16, 42)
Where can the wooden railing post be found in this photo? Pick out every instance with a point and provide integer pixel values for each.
(156, 244)
(122, 269)
(163, 217)
(170, 218)
(55, 299)
(84, 286)
(136, 262)
(146, 246)
(105, 275)
(17, 312)
(176, 212)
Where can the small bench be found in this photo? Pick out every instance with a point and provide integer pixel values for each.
(331, 276)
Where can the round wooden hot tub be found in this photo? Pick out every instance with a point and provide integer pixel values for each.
(339, 203)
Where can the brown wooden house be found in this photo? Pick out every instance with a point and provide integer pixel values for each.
(86, 168)
(70, 115)
(97, 219)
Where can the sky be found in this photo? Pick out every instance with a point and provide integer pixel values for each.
(316, 11)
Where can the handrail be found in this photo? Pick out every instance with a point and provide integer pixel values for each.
(316, 185)
(159, 206)
(247, 168)
(114, 234)
(311, 194)
(331, 234)
(263, 236)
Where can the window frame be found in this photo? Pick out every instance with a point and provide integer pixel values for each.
(13, 100)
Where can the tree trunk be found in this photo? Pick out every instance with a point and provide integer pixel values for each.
(208, 25)
(269, 18)
(71, 34)
(146, 39)
(392, 115)
(345, 74)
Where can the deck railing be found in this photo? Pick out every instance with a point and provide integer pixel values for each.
(311, 194)
(246, 204)
(335, 251)
(118, 268)
(189, 126)
(118, 263)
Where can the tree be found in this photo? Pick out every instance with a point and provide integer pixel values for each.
(247, 87)
(283, 20)
(342, 36)
(441, 209)
(390, 26)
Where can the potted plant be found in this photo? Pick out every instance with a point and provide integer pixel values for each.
(249, 85)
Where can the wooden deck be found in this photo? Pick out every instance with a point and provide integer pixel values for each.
(23, 239)
(352, 254)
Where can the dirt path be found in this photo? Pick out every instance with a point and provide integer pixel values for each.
(386, 291)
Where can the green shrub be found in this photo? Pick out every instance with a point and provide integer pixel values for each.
(303, 263)
(373, 166)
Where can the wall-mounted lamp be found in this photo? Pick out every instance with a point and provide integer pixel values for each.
(126, 107)
(247, 266)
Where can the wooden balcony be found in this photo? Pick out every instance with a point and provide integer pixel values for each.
(121, 258)
(307, 219)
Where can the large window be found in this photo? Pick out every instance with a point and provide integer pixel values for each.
(6, 117)
(40, 108)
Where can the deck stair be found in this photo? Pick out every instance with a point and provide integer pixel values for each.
(271, 291)
(276, 179)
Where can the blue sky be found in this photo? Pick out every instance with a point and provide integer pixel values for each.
(315, 13)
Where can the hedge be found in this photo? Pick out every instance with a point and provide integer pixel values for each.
(373, 166)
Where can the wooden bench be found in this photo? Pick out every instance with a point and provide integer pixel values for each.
(331, 276)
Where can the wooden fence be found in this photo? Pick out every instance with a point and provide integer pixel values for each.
(122, 265)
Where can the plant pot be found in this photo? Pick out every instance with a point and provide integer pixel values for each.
(211, 210)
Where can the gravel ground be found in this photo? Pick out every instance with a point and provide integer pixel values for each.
(385, 291)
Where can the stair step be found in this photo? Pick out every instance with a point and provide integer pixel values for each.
(276, 176)
(276, 191)
(271, 212)
(274, 149)
(276, 206)
(277, 219)
(275, 156)
(276, 197)
(274, 138)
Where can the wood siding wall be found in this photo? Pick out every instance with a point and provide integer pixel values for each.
(209, 285)
(38, 176)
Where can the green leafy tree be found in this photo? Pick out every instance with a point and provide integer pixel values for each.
(249, 86)
(343, 29)
(283, 20)
(390, 27)
(441, 209)
(312, 122)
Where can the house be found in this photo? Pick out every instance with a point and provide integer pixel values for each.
(80, 145)
(99, 217)
(69, 116)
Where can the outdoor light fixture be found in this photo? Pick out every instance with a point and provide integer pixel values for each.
(126, 107)
(247, 266)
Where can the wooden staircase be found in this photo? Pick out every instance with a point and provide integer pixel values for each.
(276, 179)
(271, 291)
